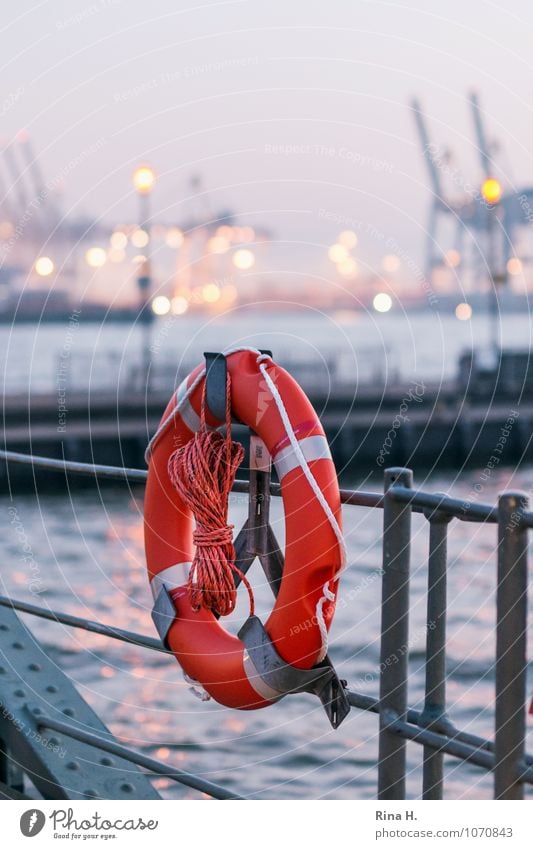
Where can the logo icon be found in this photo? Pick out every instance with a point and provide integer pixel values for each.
(32, 822)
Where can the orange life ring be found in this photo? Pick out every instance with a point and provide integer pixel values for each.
(314, 554)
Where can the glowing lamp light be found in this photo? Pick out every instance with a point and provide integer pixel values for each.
(348, 267)
(218, 245)
(452, 258)
(390, 263)
(174, 237)
(491, 189)
(6, 229)
(382, 302)
(179, 305)
(210, 293)
(514, 266)
(347, 238)
(463, 312)
(243, 259)
(140, 238)
(44, 266)
(143, 179)
(95, 257)
(161, 305)
(117, 255)
(247, 234)
(338, 253)
(118, 240)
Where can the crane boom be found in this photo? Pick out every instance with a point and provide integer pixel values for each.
(423, 135)
(481, 138)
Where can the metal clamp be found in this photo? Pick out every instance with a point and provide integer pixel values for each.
(163, 614)
(322, 680)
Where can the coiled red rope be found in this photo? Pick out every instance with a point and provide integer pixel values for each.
(203, 472)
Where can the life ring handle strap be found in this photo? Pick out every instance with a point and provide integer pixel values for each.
(216, 370)
(321, 680)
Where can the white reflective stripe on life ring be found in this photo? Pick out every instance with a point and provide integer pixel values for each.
(256, 682)
(171, 578)
(313, 448)
(187, 413)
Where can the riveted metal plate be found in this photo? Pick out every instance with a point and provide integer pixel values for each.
(32, 685)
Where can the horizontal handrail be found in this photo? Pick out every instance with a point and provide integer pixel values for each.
(419, 500)
(414, 729)
(151, 764)
(86, 624)
(452, 741)
(457, 507)
(431, 728)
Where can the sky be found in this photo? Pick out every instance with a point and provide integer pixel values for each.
(296, 114)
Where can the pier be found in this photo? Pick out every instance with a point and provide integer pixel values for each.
(417, 423)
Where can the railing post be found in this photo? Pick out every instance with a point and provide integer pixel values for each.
(434, 713)
(511, 629)
(394, 635)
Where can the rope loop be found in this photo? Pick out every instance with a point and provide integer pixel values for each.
(203, 472)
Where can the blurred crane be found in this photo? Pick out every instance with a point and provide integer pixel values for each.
(468, 210)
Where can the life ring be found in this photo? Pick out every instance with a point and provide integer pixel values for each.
(314, 548)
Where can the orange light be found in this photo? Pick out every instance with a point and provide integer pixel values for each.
(491, 189)
(514, 266)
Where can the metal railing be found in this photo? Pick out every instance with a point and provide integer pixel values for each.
(432, 728)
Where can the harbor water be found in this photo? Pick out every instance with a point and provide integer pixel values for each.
(82, 552)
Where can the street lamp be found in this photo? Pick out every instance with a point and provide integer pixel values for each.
(143, 183)
(491, 191)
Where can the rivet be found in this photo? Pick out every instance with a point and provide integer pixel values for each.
(51, 688)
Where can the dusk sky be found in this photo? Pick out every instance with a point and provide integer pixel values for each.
(296, 114)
